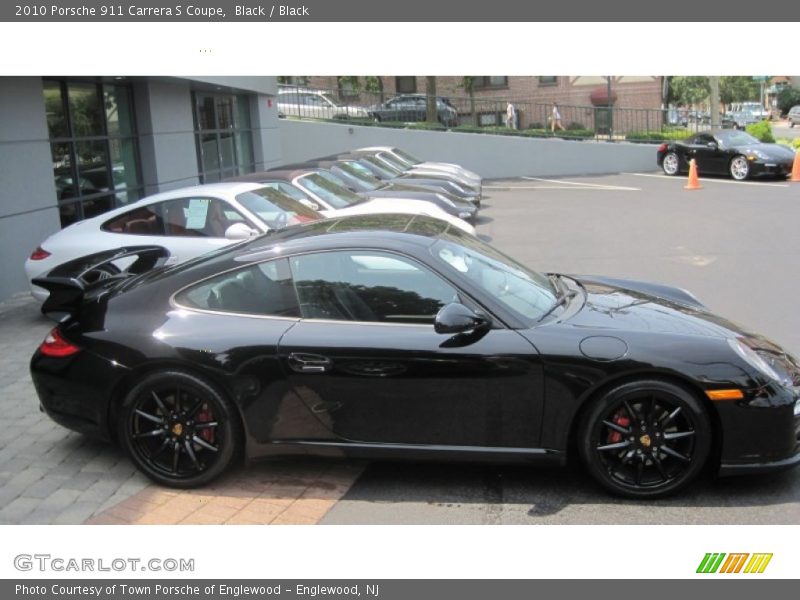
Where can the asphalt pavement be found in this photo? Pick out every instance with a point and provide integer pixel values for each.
(734, 245)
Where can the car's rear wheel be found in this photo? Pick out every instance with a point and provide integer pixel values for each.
(739, 168)
(645, 439)
(671, 163)
(178, 429)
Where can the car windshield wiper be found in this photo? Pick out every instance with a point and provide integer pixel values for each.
(560, 301)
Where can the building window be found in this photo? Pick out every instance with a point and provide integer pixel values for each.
(223, 135)
(492, 81)
(349, 86)
(405, 85)
(548, 80)
(93, 147)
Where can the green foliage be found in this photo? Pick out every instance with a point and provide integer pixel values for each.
(575, 126)
(762, 131)
(793, 144)
(738, 89)
(689, 90)
(373, 84)
(787, 98)
(666, 135)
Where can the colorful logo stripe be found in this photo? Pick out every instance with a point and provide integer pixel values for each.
(713, 562)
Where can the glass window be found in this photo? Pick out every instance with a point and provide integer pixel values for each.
(548, 80)
(286, 188)
(199, 217)
(407, 157)
(146, 220)
(361, 285)
(264, 289)
(527, 293)
(329, 192)
(490, 81)
(94, 147)
(54, 108)
(276, 209)
(84, 110)
(224, 138)
(405, 85)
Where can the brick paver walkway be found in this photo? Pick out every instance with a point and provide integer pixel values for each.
(51, 475)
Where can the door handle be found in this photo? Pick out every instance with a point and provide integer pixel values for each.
(302, 362)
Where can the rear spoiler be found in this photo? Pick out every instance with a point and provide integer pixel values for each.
(68, 285)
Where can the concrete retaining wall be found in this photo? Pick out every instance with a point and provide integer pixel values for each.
(489, 155)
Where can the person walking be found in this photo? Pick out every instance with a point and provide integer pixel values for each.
(511, 116)
(555, 119)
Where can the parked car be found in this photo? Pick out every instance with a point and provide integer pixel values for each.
(316, 104)
(726, 152)
(742, 119)
(370, 166)
(411, 108)
(793, 115)
(399, 336)
(341, 173)
(755, 108)
(415, 164)
(332, 199)
(187, 222)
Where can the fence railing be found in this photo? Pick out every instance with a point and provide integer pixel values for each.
(484, 115)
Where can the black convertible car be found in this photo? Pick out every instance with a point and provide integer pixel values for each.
(398, 336)
(728, 152)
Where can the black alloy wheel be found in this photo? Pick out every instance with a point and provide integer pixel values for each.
(645, 439)
(179, 430)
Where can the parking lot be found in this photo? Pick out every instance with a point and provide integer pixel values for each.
(734, 245)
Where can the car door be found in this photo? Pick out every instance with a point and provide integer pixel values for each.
(365, 358)
(705, 150)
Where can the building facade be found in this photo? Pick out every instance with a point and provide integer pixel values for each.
(72, 148)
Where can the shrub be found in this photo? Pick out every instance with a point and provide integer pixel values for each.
(668, 134)
(762, 131)
(575, 126)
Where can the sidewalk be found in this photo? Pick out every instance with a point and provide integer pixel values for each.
(51, 475)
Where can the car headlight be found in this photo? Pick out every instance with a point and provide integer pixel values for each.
(464, 215)
(762, 361)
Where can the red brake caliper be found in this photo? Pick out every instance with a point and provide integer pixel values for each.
(203, 416)
(621, 419)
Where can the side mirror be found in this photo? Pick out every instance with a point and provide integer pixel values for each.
(712, 145)
(239, 231)
(457, 318)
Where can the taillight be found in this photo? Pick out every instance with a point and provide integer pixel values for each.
(56, 345)
(39, 254)
(662, 147)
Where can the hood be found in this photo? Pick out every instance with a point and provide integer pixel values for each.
(777, 151)
(634, 306)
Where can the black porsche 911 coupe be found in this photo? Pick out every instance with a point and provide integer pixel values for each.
(398, 336)
(727, 152)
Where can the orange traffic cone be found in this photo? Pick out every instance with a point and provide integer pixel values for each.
(796, 168)
(694, 182)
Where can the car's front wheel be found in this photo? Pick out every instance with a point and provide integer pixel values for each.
(671, 163)
(645, 439)
(739, 168)
(178, 429)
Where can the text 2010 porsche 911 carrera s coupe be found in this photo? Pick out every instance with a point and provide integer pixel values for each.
(401, 336)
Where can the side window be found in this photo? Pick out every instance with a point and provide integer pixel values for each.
(261, 289)
(199, 217)
(146, 220)
(360, 285)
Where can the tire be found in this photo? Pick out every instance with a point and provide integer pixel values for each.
(671, 163)
(159, 426)
(739, 168)
(653, 462)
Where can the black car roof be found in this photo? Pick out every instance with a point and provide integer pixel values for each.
(371, 231)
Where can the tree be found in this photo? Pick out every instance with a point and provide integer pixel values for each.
(432, 114)
(374, 85)
(468, 83)
(738, 89)
(787, 98)
(689, 90)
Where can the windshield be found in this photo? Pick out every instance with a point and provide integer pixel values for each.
(410, 158)
(329, 192)
(275, 209)
(731, 138)
(393, 172)
(286, 188)
(396, 163)
(526, 293)
(362, 174)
